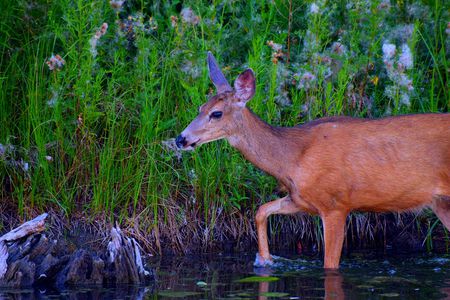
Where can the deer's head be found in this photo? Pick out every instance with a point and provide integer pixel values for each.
(220, 116)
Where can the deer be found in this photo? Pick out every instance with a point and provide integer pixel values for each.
(330, 166)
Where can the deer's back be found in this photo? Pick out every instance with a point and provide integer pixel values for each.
(387, 164)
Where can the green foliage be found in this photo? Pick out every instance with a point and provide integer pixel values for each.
(89, 134)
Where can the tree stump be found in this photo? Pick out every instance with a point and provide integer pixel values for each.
(29, 258)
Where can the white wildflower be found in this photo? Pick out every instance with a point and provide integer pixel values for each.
(406, 59)
(153, 24)
(338, 48)
(384, 4)
(391, 91)
(117, 4)
(327, 72)
(418, 11)
(405, 81)
(94, 40)
(48, 158)
(174, 21)
(102, 31)
(388, 51)
(191, 69)
(192, 175)
(304, 107)
(276, 53)
(55, 62)
(305, 80)
(282, 98)
(54, 99)
(314, 9)
(311, 41)
(93, 43)
(308, 76)
(188, 16)
(401, 33)
(275, 47)
(404, 99)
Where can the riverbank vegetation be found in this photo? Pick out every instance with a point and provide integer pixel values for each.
(92, 93)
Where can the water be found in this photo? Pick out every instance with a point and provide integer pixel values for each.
(224, 277)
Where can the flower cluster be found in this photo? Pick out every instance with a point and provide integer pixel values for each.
(314, 8)
(191, 69)
(94, 40)
(338, 48)
(174, 21)
(305, 80)
(55, 62)
(282, 94)
(134, 25)
(9, 155)
(54, 99)
(396, 65)
(188, 16)
(117, 4)
(277, 52)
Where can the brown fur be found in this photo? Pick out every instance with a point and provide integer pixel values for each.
(333, 166)
(340, 165)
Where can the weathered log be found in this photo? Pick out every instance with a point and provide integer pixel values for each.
(28, 257)
(30, 227)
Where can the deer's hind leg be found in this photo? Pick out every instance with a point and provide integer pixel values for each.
(441, 207)
(334, 233)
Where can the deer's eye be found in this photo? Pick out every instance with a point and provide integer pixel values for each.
(216, 115)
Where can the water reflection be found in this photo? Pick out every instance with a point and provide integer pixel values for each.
(82, 293)
(219, 277)
(332, 284)
(446, 290)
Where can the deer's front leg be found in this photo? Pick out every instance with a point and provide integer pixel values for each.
(283, 206)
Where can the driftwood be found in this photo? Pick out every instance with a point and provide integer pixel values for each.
(34, 226)
(29, 258)
(31, 227)
(124, 257)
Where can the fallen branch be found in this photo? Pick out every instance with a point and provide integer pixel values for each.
(34, 226)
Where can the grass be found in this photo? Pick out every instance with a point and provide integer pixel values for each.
(88, 138)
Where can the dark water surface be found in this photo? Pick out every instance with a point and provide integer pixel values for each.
(233, 277)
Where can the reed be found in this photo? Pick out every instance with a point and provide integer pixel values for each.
(87, 137)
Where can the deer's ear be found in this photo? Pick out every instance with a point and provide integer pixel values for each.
(216, 75)
(245, 85)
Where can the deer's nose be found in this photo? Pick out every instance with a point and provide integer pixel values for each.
(180, 141)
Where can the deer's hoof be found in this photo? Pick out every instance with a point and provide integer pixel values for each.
(261, 262)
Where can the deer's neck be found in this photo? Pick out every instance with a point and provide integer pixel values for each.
(274, 150)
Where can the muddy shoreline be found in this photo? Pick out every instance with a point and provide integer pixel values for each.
(235, 232)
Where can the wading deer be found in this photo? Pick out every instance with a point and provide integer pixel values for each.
(331, 166)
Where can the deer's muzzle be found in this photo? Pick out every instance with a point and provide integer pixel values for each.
(180, 141)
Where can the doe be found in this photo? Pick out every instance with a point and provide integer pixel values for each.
(331, 166)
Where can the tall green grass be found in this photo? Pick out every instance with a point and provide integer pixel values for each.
(92, 132)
